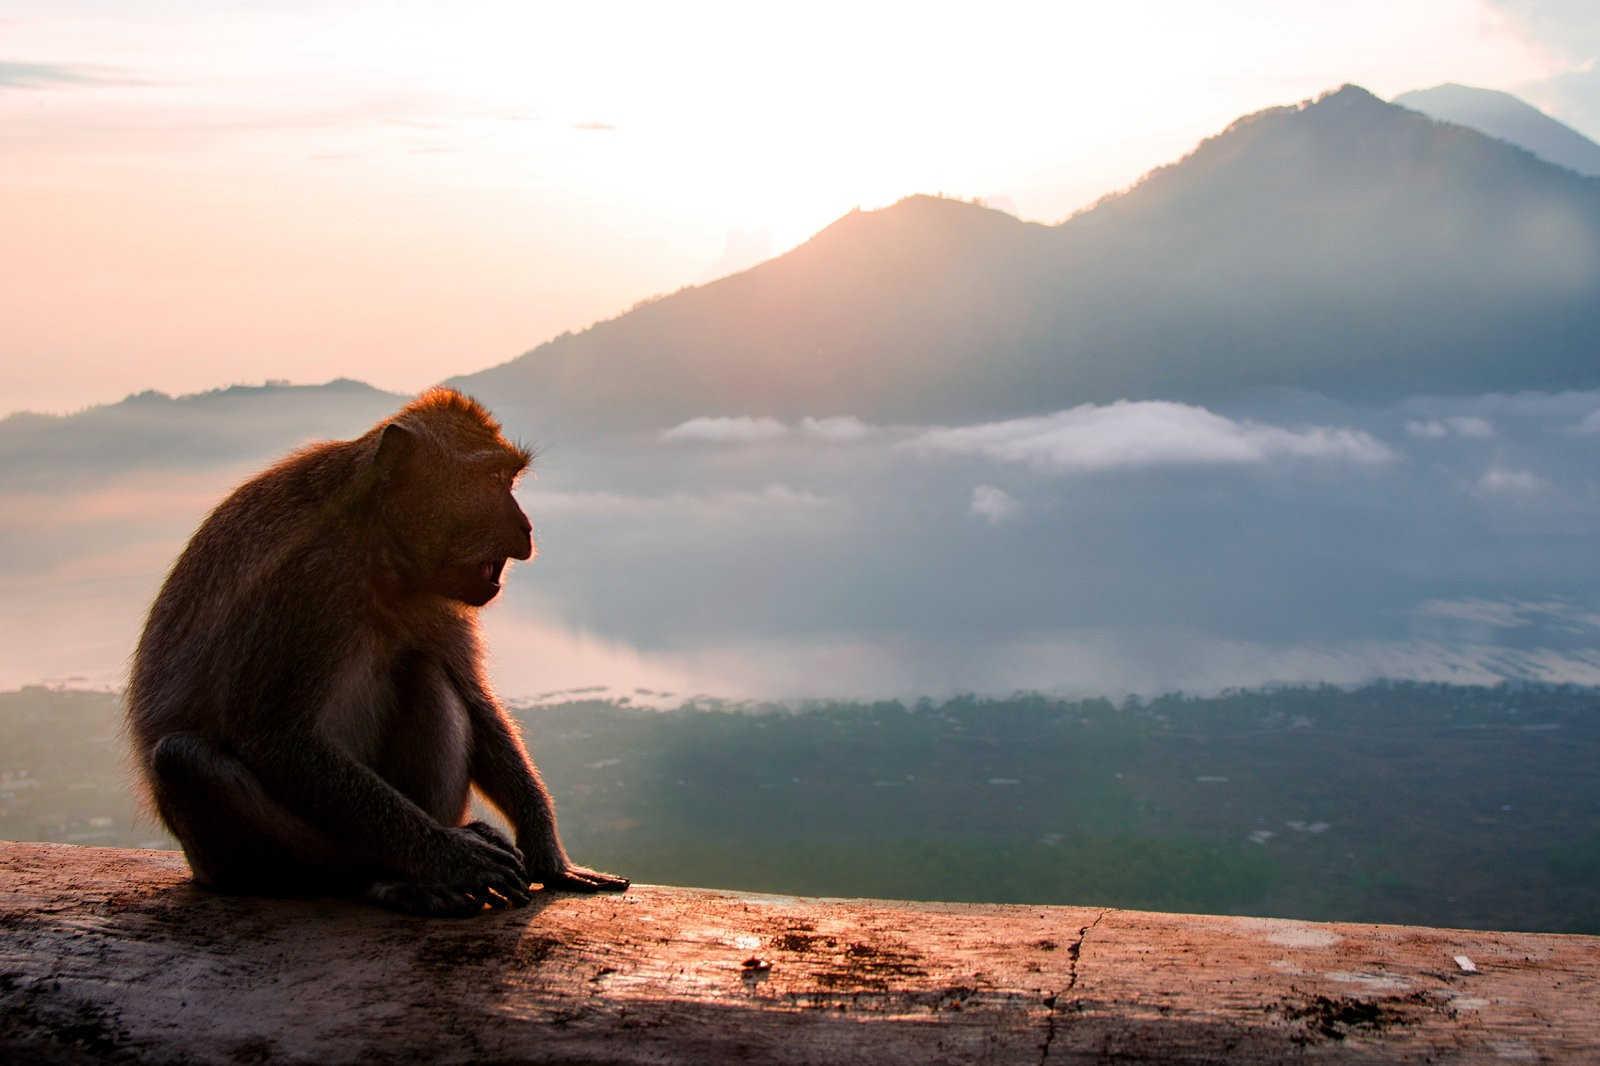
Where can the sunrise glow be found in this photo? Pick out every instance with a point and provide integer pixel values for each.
(400, 192)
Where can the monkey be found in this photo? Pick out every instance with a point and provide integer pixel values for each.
(307, 703)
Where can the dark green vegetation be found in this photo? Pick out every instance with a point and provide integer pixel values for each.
(1426, 804)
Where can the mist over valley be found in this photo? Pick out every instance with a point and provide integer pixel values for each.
(1317, 403)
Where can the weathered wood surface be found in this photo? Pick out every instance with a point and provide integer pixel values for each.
(109, 955)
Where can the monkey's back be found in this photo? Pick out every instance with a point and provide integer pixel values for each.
(257, 566)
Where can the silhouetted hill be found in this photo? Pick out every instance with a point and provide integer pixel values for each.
(1510, 119)
(873, 314)
(242, 422)
(1348, 246)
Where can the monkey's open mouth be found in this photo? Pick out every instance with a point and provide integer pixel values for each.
(490, 570)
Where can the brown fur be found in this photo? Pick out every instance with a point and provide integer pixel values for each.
(308, 705)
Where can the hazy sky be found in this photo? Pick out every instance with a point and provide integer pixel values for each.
(194, 194)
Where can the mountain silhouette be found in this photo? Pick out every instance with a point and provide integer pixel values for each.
(1346, 245)
(240, 423)
(1505, 116)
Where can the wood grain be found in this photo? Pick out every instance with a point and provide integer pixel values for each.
(113, 955)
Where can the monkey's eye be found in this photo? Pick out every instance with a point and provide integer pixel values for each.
(499, 478)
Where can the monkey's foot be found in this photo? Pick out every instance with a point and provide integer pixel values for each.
(431, 901)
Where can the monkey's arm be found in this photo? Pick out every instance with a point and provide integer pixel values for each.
(382, 829)
(291, 639)
(278, 734)
(340, 796)
(506, 775)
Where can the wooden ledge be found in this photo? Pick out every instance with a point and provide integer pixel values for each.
(114, 955)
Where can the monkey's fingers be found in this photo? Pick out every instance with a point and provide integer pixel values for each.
(582, 879)
(428, 901)
(508, 891)
(447, 903)
(604, 881)
(488, 867)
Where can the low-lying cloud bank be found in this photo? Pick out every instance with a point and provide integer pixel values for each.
(1291, 538)
(1092, 437)
(1513, 614)
(772, 497)
(1127, 435)
(748, 429)
(1470, 426)
(1472, 416)
(737, 430)
(1089, 661)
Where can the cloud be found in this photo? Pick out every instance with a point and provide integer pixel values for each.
(994, 505)
(15, 74)
(168, 497)
(1567, 25)
(1501, 480)
(527, 656)
(1496, 613)
(594, 127)
(839, 429)
(742, 429)
(617, 504)
(1571, 97)
(1569, 33)
(1590, 424)
(1090, 661)
(745, 429)
(1432, 429)
(1512, 614)
(1127, 435)
(1469, 426)
(1504, 405)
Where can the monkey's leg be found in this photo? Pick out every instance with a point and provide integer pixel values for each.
(427, 757)
(236, 837)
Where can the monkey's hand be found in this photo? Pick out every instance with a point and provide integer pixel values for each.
(475, 861)
(551, 868)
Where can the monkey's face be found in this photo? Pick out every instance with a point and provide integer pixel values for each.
(487, 529)
(454, 509)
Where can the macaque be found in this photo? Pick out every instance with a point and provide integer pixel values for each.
(308, 703)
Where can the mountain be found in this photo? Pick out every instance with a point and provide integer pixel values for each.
(241, 423)
(1346, 245)
(1510, 119)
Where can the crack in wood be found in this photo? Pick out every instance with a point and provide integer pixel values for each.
(1053, 1002)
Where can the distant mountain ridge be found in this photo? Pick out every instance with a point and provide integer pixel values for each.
(1508, 118)
(1343, 246)
(1347, 246)
(240, 422)
(209, 400)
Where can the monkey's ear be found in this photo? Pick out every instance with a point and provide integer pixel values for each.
(394, 447)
